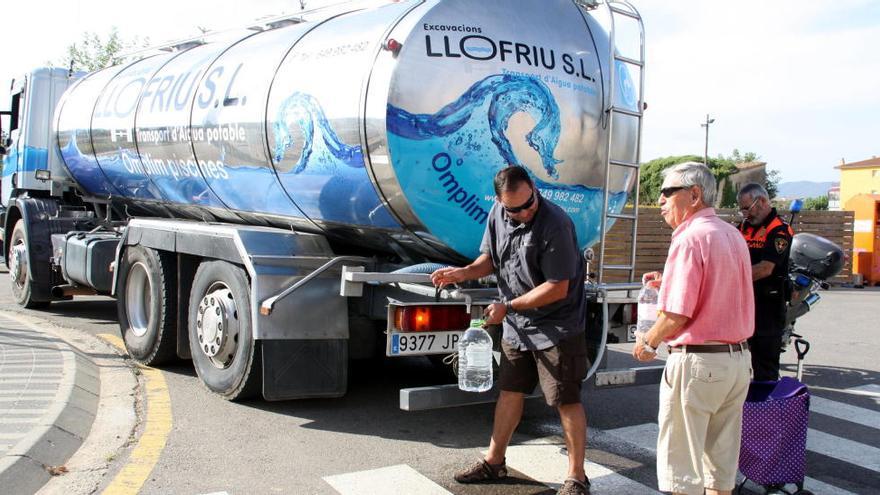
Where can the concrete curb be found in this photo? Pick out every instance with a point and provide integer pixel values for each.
(62, 428)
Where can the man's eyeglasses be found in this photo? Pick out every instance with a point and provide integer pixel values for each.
(743, 211)
(525, 206)
(669, 191)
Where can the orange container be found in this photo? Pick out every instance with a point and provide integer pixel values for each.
(866, 235)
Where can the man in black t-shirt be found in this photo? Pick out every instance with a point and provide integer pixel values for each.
(769, 241)
(531, 246)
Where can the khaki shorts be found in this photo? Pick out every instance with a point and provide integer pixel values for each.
(560, 370)
(701, 407)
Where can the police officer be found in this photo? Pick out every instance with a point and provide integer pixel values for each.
(769, 241)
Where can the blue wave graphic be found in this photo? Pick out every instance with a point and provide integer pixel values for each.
(329, 180)
(84, 169)
(33, 159)
(446, 170)
(507, 95)
(305, 110)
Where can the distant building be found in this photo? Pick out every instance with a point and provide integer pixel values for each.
(859, 178)
(746, 172)
(834, 197)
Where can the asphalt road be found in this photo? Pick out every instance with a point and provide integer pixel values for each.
(362, 443)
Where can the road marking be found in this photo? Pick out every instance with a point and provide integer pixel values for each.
(400, 479)
(644, 436)
(845, 450)
(846, 412)
(157, 426)
(542, 461)
(870, 390)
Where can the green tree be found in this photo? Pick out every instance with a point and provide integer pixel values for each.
(94, 52)
(738, 157)
(728, 195)
(772, 182)
(817, 203)
(652, 174)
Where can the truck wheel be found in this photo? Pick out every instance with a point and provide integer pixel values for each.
(147, 305)
(18, 268)
(224, 352)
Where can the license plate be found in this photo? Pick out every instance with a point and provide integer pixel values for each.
(420, 343)
(631, 333)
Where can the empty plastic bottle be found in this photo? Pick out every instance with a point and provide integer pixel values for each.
(475, 359)
(647, 309)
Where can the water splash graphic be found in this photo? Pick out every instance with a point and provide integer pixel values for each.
(445, 168)
(305, 111)
(507, 95)
(329, 180)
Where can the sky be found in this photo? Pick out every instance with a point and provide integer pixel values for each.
(795, 81)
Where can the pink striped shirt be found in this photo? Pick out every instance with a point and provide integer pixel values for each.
(708, 278)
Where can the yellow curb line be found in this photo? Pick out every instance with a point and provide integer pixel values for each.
(156, 429)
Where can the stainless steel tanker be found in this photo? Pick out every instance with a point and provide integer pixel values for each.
(266, 201)
(382, 127)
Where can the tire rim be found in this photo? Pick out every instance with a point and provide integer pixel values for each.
(217, 325)
(18, 264)
(138, 298)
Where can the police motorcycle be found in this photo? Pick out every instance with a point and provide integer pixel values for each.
(812, 262)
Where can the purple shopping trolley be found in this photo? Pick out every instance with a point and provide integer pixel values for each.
(774, 435)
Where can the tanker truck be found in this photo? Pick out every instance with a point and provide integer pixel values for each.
(268, 202)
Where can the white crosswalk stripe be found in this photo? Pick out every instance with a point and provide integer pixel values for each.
(855, 453)
(846, 412)
(400, 479)
(542, 461)
(644, 436)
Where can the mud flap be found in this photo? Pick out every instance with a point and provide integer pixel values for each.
(300, 369)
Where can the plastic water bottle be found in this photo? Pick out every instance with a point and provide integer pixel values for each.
(475, 359)
(647, 309)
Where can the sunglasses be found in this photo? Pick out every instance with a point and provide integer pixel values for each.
(525, 206)
(669, 191)
(743, 211)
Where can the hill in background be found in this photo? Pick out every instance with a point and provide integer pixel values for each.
(803, 189)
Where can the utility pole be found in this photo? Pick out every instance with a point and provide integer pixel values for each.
(706, 149)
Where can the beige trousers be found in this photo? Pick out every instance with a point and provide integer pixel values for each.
(700, 418)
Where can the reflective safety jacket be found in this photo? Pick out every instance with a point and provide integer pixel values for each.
(770, 241)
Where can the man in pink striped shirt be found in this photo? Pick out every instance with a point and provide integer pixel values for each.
(706, 313)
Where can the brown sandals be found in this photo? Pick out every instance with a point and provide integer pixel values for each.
(573, 486)
(482, 471)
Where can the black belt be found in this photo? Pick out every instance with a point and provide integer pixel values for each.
(704, 348)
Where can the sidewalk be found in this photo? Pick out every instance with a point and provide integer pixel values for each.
(48, 400)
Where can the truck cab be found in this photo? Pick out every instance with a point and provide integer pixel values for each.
(31, 159)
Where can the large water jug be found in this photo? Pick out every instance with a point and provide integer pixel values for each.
(475, 359)
(647, 309)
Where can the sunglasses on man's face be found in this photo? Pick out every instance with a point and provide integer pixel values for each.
(745, 211)
(669, 191)
(525, 206)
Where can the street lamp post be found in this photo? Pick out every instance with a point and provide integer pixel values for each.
(706, 149)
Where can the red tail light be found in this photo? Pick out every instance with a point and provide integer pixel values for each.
(431, 318)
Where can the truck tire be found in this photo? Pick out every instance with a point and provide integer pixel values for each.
(18, 256)
(225, 355)
(147, 305)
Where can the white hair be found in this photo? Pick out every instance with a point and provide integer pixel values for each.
(695, 174)
(754, 190)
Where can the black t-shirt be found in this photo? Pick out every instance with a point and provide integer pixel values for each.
(527, 255)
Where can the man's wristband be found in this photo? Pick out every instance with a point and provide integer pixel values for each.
(647, 345)
(508, 308)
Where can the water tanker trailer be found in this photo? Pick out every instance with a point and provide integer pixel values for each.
(267, 201)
